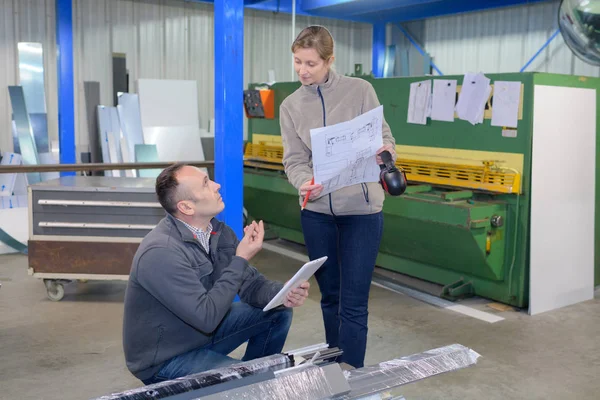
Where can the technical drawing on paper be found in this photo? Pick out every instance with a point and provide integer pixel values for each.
(331, 169)
(344, 154)
(356, 172)
(344, 141)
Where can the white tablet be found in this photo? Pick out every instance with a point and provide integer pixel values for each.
(302, 275)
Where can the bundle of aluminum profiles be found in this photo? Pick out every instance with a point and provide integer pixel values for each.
(312, 376)
(213, 377)
(390, 374)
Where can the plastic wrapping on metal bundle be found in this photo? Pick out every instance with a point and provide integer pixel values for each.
(309, 383)
(201, 380)
(393, 373)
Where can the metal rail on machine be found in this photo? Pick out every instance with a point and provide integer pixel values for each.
(486, 177)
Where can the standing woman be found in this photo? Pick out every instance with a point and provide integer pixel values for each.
(345, 225)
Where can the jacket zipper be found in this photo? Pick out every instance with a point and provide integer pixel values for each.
(325, 124)
(323, 105)
(365, 193)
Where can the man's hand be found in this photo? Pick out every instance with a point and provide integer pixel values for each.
(252, 241)
(296, 297)
(389, 148)
(315, 190)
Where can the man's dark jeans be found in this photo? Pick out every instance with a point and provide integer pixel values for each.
(265, 332)
(351, 244)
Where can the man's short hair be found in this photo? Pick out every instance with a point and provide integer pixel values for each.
(167, 188)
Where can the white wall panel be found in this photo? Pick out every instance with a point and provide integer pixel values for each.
(570, 245)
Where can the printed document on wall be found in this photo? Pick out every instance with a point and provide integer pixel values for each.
(473, 97)
(505, 110)
(444, 98)
(345, 154)
(419, 102)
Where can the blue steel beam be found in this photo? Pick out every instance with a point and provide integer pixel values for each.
(383, 11)
(229, 91)
(555, 34)
(358, 7)
(66, 95)
(433, 9)
(285, 6)
(378, 49)
(281, 6)
(319, 4)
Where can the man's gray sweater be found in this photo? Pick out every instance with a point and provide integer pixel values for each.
(178, 294)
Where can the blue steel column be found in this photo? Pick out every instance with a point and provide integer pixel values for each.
(229, 90)
(378, 49)
(66, 96)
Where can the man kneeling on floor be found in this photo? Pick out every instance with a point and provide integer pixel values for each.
(180, 315)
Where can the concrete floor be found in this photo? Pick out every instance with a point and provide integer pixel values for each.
(72, 349)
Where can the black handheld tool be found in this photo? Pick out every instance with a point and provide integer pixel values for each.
(391, 178)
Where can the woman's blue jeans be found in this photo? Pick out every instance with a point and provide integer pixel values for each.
(351, 244)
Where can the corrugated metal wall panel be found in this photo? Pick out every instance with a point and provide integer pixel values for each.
(268, 40)
(92, 61)
(501, 41)
(26, 21)
(176, 52)
(8, 72)
(164, 39)
(353, 42)
(201, 58)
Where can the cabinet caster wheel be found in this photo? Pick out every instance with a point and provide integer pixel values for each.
(54, 290)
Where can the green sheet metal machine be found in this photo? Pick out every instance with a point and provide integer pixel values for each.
(463, 222)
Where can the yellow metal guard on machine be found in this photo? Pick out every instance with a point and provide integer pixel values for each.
(485, 177)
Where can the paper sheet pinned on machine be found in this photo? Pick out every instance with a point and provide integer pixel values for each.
(473, 97)
(505, 109)
(419, 102)
(443, 100)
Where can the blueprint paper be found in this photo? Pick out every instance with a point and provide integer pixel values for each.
(419, 102)
(443, 100)
(505, 110)
(345, 154)
(473, 97)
